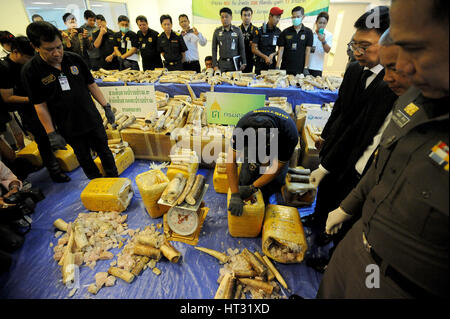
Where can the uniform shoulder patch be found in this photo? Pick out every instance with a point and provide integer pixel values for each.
(439, 154)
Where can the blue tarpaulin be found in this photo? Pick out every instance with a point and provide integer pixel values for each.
(35, 274)
(295, 96)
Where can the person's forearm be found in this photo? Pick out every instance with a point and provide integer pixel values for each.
(117, 52)
(8, 97)
(280, 56)
(98, 41)
(214, 52)
(202, 40)
(97, 94)
(307, 54)
(129, 53)
(326, 47)
(233, 179)
(269, 176)
(256, 52)
(45, 117)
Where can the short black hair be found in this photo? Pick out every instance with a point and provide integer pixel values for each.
(22, 45)
(380, 24)
(246, 9)
(123, 18)
(6, 37)
(89, 14)
(165, 17)
(208, 58)
(100, 17)
(36, 16)
(42, 31)
(226, 10)
(298, 8)
(141, 18)
(183, 16)
(66, 15)
(323, 14)
(439, 10)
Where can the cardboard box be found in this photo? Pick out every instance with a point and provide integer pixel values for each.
(148, 145)
(207, 148)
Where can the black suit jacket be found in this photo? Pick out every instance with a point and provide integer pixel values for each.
(355, 120)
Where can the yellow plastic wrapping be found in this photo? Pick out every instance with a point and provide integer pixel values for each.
(171, 172)
(31, 153)
(220, 182)
(283, 238)
(148, 145)
(249, 224)
(107, 194)
(112, 134)
(67, 159)
(151, 185)
(123, 161)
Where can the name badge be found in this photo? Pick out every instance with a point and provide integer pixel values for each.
(400, 118)
(234, 34)
(294, 46)
(220, 34)
(233, 45)
(128, 45)
(64, 83)
(143, 45)
(123, 45)
(274, 42)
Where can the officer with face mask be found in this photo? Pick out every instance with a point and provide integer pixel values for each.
(295, 45)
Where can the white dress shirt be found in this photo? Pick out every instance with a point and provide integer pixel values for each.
(362, 162)
(316, 58)
(191, 41)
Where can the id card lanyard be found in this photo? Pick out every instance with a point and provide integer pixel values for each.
(64, 82)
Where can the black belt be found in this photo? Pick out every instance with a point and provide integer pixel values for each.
(403, 282)
(173, 63)
(189, 62)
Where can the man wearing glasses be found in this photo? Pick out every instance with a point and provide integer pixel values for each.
(363, 103)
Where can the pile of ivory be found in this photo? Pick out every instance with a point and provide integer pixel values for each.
(221, 163)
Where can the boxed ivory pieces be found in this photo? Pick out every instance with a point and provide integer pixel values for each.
(66, 158)
(283, 238)
(249, 224)
(123, 160)
(151, 185)
(310, 154)
(107, 194)
(148, 145)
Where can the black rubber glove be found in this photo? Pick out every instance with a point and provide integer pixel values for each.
(236, 205)
(306, 71)
(57, 141)
(247, 191)
(109, 114)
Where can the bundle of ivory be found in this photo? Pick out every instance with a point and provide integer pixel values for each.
(123, 120)
(246, 272)
(314, 130)
(117, 145)
(221, 163)
(182, 156)
(87, 240)
(127, 75)
(182, 189)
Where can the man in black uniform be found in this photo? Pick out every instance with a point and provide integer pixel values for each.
(104, 40)
(249, 31)
(295, 45)
(403, 233)
(126, 45)
(148, 45)
(76, 39)
(13, 93)
(171, 45)
(60, 85)
(275, 137)
(264, 44)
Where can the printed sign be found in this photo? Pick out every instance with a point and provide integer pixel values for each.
(228, 108)
(317, 118)
(136, 100)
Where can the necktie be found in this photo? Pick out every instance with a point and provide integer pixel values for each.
(365, 75)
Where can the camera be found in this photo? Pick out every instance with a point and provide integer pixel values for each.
(25, 200)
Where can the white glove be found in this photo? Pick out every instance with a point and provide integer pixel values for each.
(317, 175)
(335, 220)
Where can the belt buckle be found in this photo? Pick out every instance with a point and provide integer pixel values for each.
(366, 244)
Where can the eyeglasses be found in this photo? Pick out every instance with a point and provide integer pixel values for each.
(355, 47)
